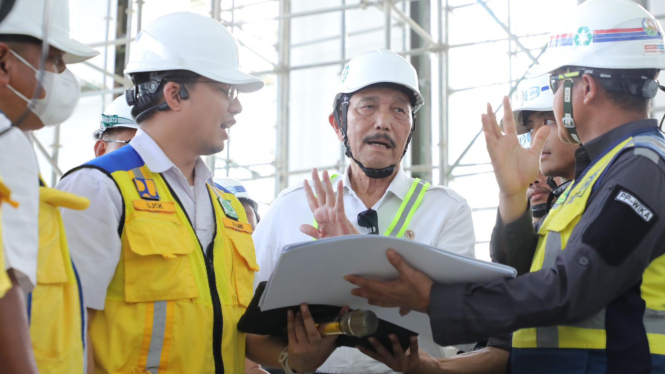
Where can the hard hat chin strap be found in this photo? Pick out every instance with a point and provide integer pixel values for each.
(568, 121)
(340, 111)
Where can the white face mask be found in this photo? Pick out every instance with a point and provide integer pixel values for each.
(62, 94)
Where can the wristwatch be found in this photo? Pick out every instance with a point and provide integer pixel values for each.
(284, 361)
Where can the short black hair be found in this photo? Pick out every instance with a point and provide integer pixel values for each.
(15, 41)
(624, 100)
(146, 102)
(630, 102)
(112, 133)
(15, 38)
(253, 204)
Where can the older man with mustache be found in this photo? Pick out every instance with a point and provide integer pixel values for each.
(374, 117)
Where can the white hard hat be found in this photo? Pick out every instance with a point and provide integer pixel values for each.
(117, 114)
(380, 66)
(27, 19)
(188, 41)
(234, 186)
(605, 34)
(531, 95)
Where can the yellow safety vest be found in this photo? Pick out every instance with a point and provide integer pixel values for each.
(407, 209)
(553, 237)
(172, 306)
(55, 306)
(5, 282)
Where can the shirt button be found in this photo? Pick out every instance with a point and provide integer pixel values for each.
(584, 261)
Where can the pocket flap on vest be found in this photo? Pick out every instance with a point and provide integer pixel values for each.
(158, 234)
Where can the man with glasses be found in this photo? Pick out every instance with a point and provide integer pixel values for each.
(166, 258)
(374, 117)
(594, 301)
(116, 129)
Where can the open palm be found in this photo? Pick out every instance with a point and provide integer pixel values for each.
(514, 166)
(328, 209)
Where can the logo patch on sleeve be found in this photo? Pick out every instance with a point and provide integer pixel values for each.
(635, 204)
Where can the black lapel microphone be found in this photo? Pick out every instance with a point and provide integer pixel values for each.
(369, 219)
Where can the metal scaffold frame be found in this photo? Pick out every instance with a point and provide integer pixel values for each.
(433, 44)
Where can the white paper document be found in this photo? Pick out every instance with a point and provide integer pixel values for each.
(312, 273)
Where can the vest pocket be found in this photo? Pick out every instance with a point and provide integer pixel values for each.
(244, 265)
(157, 264)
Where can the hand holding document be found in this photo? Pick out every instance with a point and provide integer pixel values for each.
(313, 273)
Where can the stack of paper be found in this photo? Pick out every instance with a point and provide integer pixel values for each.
(312, 273)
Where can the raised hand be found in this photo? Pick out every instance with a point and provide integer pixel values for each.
(514, 166)
(328, 209)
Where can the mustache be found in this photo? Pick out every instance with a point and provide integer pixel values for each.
(371, 138)
(534, 189)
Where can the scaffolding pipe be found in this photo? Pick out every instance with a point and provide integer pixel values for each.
(284, 56)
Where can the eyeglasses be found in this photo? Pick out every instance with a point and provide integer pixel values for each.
(369, 219)
(231, 92)
(555, 79)
(116, 141)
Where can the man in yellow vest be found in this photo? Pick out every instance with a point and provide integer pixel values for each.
(374, 117)
(166, 258)
(34, 240)
(595, 299)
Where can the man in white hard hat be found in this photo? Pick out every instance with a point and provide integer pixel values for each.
(594, 301)
(34, 230)
(167, 259)
(116, 129)
(374, 117)
(533, 104)
(238, 189)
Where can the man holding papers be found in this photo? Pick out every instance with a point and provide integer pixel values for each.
(374, 116)
(595, 299)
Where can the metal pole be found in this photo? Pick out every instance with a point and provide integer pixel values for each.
(387, 24)
(55, 154)
(129, 11)
(342, 150)
(139, 14)
(284, 57)
(42, 150)
(216, 9)
(443, 93)
(106, 53)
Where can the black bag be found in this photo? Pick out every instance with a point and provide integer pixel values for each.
(273, 322)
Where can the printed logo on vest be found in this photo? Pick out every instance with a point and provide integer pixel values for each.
(146, 188)
(635, 204)
(228, 208)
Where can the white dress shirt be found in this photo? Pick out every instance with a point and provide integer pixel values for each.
(92, 234)
(20, 231)
(443, 220)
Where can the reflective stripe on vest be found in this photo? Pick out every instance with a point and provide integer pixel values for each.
(554, 235)
(410, 204)
(160, 303)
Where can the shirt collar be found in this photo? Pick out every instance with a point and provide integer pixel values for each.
(157, 161)
(399, 186)
(593, 150)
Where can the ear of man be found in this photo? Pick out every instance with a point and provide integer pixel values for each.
(172, 97)
(590, 88)
(335, 127)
